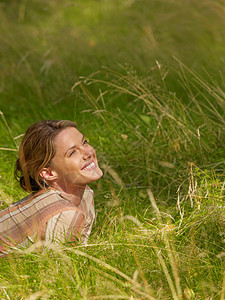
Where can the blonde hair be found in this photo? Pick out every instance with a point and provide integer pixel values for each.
(36, 152)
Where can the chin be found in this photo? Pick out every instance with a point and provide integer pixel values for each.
(98, 174)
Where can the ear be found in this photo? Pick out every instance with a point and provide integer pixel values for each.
(48, 174)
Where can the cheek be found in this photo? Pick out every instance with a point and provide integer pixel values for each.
(75, 163)
(69, 165)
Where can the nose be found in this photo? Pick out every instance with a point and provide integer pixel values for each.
(87, 152)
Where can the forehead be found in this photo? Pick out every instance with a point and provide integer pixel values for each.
(68, 137)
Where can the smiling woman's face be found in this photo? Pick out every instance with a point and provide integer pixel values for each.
(75, 161)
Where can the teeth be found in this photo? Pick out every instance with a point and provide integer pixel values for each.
(89, 166)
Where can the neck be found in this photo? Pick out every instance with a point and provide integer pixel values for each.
(74, 194)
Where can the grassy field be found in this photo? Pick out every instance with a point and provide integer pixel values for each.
(144, 80)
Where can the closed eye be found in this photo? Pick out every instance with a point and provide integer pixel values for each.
(71, 153)
(85, 142)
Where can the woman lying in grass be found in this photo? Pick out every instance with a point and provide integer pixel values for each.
(55, 164)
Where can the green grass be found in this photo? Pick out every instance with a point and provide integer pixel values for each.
(144, 81)
(139, 256)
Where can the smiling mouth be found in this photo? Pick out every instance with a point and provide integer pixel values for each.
(90, 166)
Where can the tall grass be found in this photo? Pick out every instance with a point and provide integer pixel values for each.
(158, 257)
(149, 241)
(162, 132)
(154, 113)
(44, 46)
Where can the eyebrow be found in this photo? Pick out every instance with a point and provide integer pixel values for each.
(74, 146)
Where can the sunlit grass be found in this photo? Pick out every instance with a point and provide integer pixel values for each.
(159, 225)
(158, 257)
(144, 82)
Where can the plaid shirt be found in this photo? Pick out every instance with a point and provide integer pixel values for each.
(47, 215)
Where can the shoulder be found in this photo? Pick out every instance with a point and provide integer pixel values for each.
(54, 201)
(49, 194)
(41, 198)
(46, 202)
